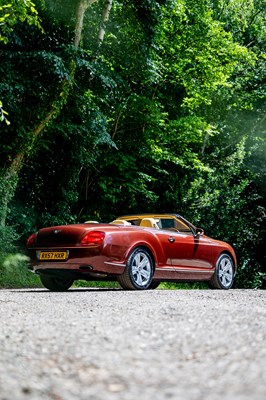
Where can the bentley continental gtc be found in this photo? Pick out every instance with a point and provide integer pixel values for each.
(138, 251)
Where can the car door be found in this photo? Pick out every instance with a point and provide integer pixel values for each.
(186, 250)
(165, 269)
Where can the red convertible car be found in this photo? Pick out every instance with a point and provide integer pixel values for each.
(139, 251)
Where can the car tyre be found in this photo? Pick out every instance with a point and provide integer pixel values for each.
(56, 284)
(138, 272)
(224, 275)
(154, 284)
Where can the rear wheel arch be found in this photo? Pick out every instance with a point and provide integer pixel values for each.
(140, 257)
(146, 248)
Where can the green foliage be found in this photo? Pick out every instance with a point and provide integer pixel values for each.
(226, 204)
(166, 115)
(14, 273)
(250, 275)
(13, 265)
(202, 57)
(8, 236)
(12, 12)
(8, 183)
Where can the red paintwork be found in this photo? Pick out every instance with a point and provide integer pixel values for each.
(186, 257)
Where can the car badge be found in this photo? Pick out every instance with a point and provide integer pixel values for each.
(56, 231)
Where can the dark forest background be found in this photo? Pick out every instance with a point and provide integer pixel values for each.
(115, 107)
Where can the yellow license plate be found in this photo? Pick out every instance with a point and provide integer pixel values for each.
(53, 255)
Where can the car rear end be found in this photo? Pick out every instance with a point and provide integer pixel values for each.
(79, 249)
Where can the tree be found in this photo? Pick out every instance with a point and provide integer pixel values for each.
(9, 177)
(152, 118)
(12, 12)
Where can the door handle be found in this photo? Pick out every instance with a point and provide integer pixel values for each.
(171, 239)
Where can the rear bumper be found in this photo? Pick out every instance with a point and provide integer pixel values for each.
(82, 267)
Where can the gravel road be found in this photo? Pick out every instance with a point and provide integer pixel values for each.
(95, 344)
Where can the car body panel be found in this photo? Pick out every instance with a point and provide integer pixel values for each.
(177, 255)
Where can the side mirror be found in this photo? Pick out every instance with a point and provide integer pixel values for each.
(199, 232)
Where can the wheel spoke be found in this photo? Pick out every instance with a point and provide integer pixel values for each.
(229, 269)
(135, 269)
(224, 264)
(145, 274)
(224, 282)
(137, 259)
(144, 262)
(139, 279)
(228, 277)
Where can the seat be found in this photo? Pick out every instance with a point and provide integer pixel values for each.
(149, 223)
(120, 222)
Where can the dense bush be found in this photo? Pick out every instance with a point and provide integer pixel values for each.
(161, 107)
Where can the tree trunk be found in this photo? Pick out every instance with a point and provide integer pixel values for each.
(105, 19)
(9, 179)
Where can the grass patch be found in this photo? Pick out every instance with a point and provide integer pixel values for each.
(162, 286)
(184, 286)
(97, 284)
(14, 272)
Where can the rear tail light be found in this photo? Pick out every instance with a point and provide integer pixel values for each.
(31, 240)
(93, 238)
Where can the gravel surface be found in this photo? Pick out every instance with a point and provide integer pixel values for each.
(112, 344)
